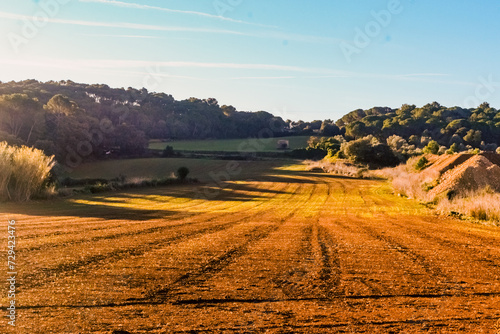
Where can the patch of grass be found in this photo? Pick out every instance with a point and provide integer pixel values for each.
(232, 145)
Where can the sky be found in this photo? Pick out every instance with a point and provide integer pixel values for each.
(294, 58)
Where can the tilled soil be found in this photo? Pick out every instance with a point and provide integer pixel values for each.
(293, 252)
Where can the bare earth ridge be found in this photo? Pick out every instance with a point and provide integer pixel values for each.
(290, 252)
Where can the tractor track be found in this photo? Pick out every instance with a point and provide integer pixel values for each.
(43, 276)
(309, 253)
(220, 262)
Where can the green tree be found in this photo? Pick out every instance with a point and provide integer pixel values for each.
(20, 116)
(421, 163)
(182, 173)
(356, 130)
(60, 104)
(432, 147)
(473, 137)
(453, 149)
(168, 152)
(368, 150)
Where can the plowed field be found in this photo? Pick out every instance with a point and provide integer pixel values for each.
(290, 251)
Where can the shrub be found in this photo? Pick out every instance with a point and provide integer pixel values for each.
(432, 147)
(5, 168)
(421, 163)
(182, 173)
(23, 172)
(168, 152)
(453, 149)
(368, 150)
(338, 167)
(407, 182)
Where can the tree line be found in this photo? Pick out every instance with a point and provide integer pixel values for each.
(68, 119)
(63, 116)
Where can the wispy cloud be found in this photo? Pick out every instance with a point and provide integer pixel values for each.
(142, 64)
(147, 27)
(161, 68)
(169, 10)
(122, 25)
(121, 36)
(424, 75)
(262, 78)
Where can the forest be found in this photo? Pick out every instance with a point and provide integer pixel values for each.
(79, 121)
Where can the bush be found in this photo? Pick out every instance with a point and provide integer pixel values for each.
(421, 163)
(182, 173)
(432, 148)
(307, 154)
(407, 182)
(168, 152)
(23, 172)
(370, 151)
(453, 149)
(338, 167)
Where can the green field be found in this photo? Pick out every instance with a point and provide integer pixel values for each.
(232, 145)
(202, 169)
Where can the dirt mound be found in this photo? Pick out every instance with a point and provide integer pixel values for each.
(446, 162)
(493, 157)
(476, 173)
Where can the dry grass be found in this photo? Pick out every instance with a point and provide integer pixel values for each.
(5, 169)
(338, 167)
(23, 171)
(483, 205)
(407, 182)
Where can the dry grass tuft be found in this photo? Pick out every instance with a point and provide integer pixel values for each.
(407, 182)
(23, 171)
(483, 205)
(473, 180)
(338, 167)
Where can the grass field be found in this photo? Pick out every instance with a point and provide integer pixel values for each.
(279, 250)
(202, 169)
(232, 145)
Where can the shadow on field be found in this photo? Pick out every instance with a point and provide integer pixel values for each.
(149, 203)
(94, 209)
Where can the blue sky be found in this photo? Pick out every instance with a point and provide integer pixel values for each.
(295, 58)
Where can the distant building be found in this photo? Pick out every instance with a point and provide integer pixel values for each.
(283, 145)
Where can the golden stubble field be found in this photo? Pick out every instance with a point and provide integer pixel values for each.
(288, 251)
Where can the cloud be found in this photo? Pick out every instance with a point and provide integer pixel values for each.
(122, 25)
(121, 36)
(424, 75)
(168, 10)
(144, 64)
(147, 27)
(161, 68)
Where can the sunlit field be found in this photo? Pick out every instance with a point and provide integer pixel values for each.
(276, 250)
